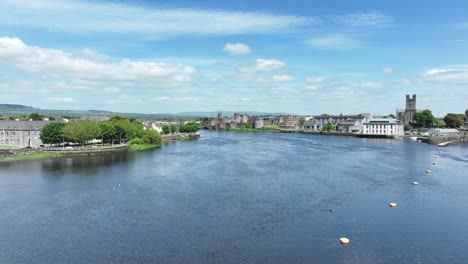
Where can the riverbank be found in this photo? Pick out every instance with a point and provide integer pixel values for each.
(13, 154)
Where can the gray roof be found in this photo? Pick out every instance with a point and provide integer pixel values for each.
(384, 121)
(22, 125)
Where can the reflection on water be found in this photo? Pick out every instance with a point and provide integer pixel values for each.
(240, 198)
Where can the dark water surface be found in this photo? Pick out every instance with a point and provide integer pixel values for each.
(240, 198)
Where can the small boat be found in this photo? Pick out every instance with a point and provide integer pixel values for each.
(413, 138)
(443, 144)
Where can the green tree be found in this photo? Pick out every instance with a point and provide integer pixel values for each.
(453, 120)
(124, 129)
(424, 118)
(116, 118)
(108, 131)
(52, 133)
(166, 129)
(440, 123)
(391, 116)
(151, 136)
(189, 128)
(247, 125)
(82, 131)
(173, 128)
(36, 116)
(328, 127)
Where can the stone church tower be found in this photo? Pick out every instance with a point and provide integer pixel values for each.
(410, 110)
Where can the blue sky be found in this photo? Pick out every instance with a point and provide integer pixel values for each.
(304, 57)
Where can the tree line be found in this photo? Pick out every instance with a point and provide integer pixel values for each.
(116, 129)
(452, 120)
(190, 127)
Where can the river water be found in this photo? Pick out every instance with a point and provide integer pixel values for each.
(240, 198)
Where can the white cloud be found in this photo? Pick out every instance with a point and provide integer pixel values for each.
(176, 99)
(282, 78)
(452, 74)
(78, 16)
(236, 49)
(436, 72)
(284, 90)
(343, 92)
(262, 65)
(124, 99)
(316, 80)
(365, 19)
(60, 64)
(312, 87)
(387, 71)
(370, 85)
(335, 42)
(61, 100)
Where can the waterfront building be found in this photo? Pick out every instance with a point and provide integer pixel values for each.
(310, 124)
(444, 132)
(21, 134)
(344, 123)
(383, 127)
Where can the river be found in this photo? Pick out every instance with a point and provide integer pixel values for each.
(240, 198)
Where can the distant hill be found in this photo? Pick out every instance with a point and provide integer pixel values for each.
(13, 109)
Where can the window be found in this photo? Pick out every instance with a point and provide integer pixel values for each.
(6, 141)
(29, 133)
(13, 134)
(6, 133)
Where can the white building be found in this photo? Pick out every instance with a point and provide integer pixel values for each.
(383, 127)
(444, 132)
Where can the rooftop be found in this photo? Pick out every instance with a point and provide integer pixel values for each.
(384, 121)
(22, 125)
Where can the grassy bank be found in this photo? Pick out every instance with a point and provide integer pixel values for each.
(141, 147)
(39, 154)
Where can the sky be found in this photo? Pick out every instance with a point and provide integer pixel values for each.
(302, 57)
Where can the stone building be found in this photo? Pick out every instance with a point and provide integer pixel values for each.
(21, 134)
(408, 114)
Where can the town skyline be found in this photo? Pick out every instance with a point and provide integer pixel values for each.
(300, 58)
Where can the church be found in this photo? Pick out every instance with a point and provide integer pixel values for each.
(409, 113)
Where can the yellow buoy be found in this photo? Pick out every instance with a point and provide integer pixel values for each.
(344, 241)
(415, 183)
(428, 171)
(392, 204)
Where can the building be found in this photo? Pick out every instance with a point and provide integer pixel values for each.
(444, 132)
(344, 123)
(21, 134)
(383, 127)
(409, 113)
